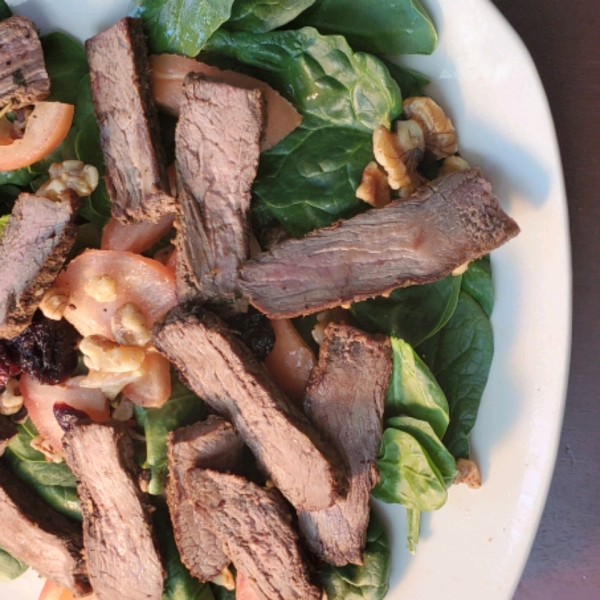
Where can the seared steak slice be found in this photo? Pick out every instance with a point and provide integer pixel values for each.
(44, 539)
(122, 557)
(8, 431)
(222, 371)
(35, 244)
(217, 145)
(210, 444)
(345, 400)
(254, 526)
(23, 77)
(136, 176)
(449, 222)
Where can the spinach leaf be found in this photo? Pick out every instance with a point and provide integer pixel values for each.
(426, 436)
(182, 408)
(380, 26)
(3, 222)
(413, 518)
(10, 567)
(371, 580)
(321, 75)
(412, 313)
(264, 15)
(179, 584)
(411, 82)
(477, 282)
(221, 593)
(20, 177)
(460, 356)
(413, 391)
(5, 11)
(408, 475)
(309, 179)
(180, 26)
(8, 194)
(66, 64)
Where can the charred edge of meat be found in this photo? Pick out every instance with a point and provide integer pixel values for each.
(254, 330)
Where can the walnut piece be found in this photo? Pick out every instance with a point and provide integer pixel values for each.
(11, 400)
(374, 188)
(54, 303)
(440, 135)
(453, 164)
(71, 174)
(128, 325)
(389, 155)
(102, 354)
(468, 473)
(102, 288)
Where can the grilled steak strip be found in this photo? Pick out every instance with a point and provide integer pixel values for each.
(136, 177)
(122, 556)
(254, 526)
(8, 431)
(39, 235)
(217, 145)
(345, 400)
(449, 222)
(222, 371)
(44, 539)
(23, 76)
(210, 444)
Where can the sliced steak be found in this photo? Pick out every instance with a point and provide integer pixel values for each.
(39, 235)
(449, 222)
(47, 541)
(122, 556)
(222, 371)
(345, 400)
(254, 527)
(136, 176)
(8, 431)
(210, 444)
(23, 76)
(217, 145)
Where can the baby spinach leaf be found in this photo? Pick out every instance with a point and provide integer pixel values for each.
(20, 177)
(3, 222)
(413, 518)
(411, 82)
(407, 474)
(10, 567)
(413, 390)
(182, 408)
(309, 179)
(460, 356)
(423, 432)
(477, 282)
(369, 581)
(264, 15)
(412, 313)
(179, 584)
(5, 11)
(180, 26)
(380, 26)
(321, 75)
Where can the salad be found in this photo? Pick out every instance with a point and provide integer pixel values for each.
(447, 309)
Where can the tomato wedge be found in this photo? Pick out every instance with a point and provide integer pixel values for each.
(47, 126)
(134, 238)
(51, 591)
(167, 72)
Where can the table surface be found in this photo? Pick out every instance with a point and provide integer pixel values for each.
(564, 41)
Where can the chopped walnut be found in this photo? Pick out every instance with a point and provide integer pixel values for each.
(54, 303)
(335, 315)
(374, 188)
(41, 445)
(225, 579)
(102, 288)
(453, 164)
(461, 270)
(440, 135)
(124, 411)
(110, 383)
(389, 155)
(468, 473)
(102, 354)
(70, 174)
(11, 400)
(128, 325)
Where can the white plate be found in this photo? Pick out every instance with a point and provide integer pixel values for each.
(476, 546)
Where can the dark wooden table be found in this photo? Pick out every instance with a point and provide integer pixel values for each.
(564, 40)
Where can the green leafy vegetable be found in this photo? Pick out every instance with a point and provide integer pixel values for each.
(408, 475)
(182, 408)
(180, 26)
(179, 584)
(413, 518)
(460, 356)
(20, 177)
(413, 313)
(477, 282)
(3, 223)
(380, 26)
(10, 567)
(221, 593)
(264, 15)
(371, 580)
(413, 391)
(5, 11)
(412, 83)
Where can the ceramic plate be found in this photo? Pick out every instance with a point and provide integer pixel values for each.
(476, 546)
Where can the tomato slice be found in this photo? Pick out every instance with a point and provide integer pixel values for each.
(167, 72)
(154, 386)
(39, 400)
(51, 591)
(47, 126)
(134, 238)
(143, 281)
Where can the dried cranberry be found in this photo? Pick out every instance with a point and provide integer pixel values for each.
(255, 330)
(46, 350)
(8, 367)
(67, 416)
